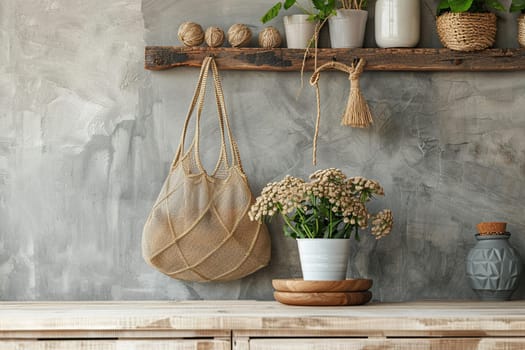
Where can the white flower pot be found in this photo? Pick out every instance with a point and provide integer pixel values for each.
(299, 31)
(324, 259)
(347, 28)
(397, 23)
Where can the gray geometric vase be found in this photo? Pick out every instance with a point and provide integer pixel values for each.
(493, 267)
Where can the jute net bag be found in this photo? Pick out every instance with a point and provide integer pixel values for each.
(199, 229)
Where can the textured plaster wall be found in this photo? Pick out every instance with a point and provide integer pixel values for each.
(86, 138)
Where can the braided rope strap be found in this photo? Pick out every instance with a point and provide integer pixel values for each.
(357, 113)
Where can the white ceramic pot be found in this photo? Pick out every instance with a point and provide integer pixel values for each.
(299, 31)
(324, 259)
(347, 28)
(397, 23)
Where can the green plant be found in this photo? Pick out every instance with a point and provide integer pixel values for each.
(469, 6)
(517, 6)
(330, 206)
(324, 9)
(354, 4)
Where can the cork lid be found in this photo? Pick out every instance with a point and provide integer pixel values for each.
(491, 228)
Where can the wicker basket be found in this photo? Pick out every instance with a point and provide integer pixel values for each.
(467, 31)
(521, 30)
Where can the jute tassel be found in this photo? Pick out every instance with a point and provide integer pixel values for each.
(357, 113)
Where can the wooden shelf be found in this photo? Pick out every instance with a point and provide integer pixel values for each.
(289, 60)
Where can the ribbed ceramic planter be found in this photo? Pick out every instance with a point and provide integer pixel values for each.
(324, 259)
(493, 267)
(299, 31)
(347, 28)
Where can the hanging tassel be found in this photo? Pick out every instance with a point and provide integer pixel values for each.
(357, 113)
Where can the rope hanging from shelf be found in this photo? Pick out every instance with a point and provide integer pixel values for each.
(357, 113)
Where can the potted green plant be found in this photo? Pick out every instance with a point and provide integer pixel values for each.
(467, 25)
(302, 30)
(347, 26)
(322, 215)
(519, 6)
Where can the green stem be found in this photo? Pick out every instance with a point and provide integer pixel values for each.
(302, 8)
(289, 224)
(345, 228)
(330, 228)
(315, 213)
(305, 228)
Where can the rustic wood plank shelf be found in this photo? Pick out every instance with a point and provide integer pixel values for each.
(289, 60)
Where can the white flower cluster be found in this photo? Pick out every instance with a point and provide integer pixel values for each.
(283, 196)
(382, 223)
(329, 194)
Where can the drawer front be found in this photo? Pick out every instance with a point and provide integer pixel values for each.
(153, 344)
(390, 344)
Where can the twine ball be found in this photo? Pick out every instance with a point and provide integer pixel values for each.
(239, 35)
(269, 38)
(191, 34)
(214, 37)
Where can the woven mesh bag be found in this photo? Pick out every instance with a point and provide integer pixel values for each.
(199, 229)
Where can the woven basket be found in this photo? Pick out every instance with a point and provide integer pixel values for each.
(467, 31)
(521, 30)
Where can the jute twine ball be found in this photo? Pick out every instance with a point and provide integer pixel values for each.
(239, 35)
(214, 37)
(269, 38)
(191, 34)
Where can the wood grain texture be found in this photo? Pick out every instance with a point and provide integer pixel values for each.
(217, 317)
(116, 345)
(287, 60)
(300, 285)
(323, 299)
(390, 344)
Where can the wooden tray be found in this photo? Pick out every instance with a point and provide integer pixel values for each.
(323, 299)
(299, 285)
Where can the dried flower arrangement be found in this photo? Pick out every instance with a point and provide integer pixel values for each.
(330, 206)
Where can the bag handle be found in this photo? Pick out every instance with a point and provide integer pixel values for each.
(223, 156)
(219, 95)
(198, 101)
(198, 98)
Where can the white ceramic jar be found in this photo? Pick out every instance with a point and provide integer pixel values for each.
(397, 23)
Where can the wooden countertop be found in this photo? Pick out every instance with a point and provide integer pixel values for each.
(430, 318)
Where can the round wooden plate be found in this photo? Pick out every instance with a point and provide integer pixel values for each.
(323, 299)
(299, 285)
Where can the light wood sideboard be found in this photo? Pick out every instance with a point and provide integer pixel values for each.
(260, 325)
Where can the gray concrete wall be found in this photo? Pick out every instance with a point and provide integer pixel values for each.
(86, 138)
